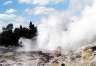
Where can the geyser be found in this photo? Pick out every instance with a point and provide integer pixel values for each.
(52, 33)
(67, 30)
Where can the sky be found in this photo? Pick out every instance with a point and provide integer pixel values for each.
(22, 11)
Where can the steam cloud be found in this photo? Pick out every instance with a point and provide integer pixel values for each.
(68, 30)
(27, 44)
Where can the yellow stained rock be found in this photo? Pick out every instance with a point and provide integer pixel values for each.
(55, 64)
(86, 56)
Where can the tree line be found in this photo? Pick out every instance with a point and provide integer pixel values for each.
(10, 36)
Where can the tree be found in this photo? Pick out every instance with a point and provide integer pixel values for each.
(6, 38)
(31, 26)
(8, 27)
(32, 30)
(10, 37)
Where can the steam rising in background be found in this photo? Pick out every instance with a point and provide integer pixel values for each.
(67, 29)
(27, 44)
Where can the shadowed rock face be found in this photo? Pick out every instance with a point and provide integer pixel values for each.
(93, 48)
(63, 64)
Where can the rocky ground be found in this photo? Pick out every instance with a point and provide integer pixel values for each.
(39, 58)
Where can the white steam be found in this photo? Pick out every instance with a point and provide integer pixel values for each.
(62, 31)
(27, 44)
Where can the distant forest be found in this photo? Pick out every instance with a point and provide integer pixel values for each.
(10, 36)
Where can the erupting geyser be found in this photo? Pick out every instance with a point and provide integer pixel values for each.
(67, 29)
(61, 30)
